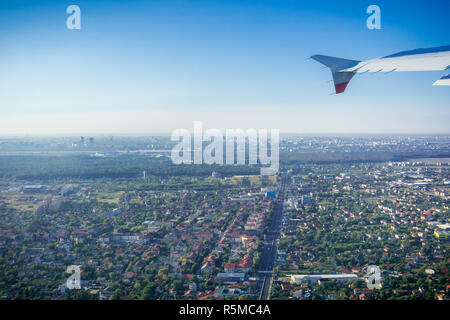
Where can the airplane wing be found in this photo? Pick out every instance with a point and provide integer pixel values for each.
(432, 59)
(444, 81)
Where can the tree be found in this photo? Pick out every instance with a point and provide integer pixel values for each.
(149, 291)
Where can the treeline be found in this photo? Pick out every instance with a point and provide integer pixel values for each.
(87, 167)
(354, 157)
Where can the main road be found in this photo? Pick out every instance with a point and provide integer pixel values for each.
(270, 243)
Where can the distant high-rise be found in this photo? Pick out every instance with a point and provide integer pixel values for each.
(91, 140)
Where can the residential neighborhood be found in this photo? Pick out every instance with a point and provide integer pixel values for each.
(139, 227)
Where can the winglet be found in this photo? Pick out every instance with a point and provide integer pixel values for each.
(340, 78)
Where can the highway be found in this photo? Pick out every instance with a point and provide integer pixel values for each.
(270, 243)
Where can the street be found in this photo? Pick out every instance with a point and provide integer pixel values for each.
(270, 244)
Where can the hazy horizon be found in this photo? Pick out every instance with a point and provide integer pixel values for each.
(282, 134)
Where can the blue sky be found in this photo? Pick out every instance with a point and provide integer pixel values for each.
(153, 66)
